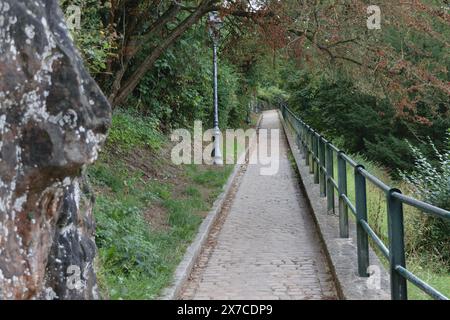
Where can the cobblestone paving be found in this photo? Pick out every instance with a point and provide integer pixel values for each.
(265, 246)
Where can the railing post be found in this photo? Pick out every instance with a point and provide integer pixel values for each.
(306, 137)
(304, 147)
(330, 175)
(322, 181)
(316, 158)
(298, 135)
(311, 151)
(396, 246)
(302, 139)
(342, 189)
(362, 238)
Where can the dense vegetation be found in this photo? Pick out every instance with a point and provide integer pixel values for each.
(176, 88)
(381, 95)
(147, 210)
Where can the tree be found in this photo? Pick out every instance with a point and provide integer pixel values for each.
(141, 31)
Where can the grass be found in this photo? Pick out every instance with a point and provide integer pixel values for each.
(130, 130)
(145, 222)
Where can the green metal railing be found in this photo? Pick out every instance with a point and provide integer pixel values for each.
(318, 154)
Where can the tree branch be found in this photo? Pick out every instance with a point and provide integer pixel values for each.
(136, 77)
(324, 48)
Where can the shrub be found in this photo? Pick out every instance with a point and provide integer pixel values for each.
(123, 238)
(272, 95)
(95, 41)
(430, 180)
(130, 130)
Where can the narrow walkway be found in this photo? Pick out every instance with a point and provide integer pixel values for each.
(267, 246)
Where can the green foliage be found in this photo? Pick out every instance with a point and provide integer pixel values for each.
(93, 39)
(272, 95)
(431, 177)
(136, 260)
(178, 90)
(123, 237)
(129, 130)
(137, 256)
(365, 123)
(430, 181)
(209, 178)
(102, 175)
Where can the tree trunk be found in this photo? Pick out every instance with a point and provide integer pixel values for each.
(134, 46)
(128, 87)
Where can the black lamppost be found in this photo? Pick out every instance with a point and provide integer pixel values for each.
(214, 25)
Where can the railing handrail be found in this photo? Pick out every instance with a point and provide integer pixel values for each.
(314, 147)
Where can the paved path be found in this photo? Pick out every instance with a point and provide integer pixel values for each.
(266, 246)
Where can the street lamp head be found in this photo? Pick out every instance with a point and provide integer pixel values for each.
(215, 20)
(214, 24)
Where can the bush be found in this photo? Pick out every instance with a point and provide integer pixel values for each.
(95, 41)
(130, 130)
(431, 177)
(430, 181)
(272, 95)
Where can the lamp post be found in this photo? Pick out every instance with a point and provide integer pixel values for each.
(214, 24)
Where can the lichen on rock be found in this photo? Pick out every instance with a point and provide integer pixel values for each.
(53, 120)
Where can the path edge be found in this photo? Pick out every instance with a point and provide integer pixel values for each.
(184, 269)
(340, 252)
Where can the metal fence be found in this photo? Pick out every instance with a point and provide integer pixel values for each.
(318, 154)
